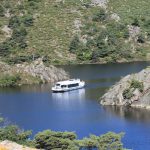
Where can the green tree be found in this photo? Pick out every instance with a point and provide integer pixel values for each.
(49, 139)
(28, 20)
(100, 16)
(13, 133)
(136, 22)
(137, 85)
(74, 45)
(2, 11)
(14, 22)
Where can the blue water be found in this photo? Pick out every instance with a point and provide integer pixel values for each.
(36, 108)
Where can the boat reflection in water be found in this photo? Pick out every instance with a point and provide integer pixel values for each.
(70, 97)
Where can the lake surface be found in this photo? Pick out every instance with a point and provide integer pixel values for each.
(36, 108)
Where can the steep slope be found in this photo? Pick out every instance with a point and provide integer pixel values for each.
(68, 31)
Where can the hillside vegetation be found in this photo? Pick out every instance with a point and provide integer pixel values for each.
(68, 31)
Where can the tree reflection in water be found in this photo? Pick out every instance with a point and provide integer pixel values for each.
(129, 113)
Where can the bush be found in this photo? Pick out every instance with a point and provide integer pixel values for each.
(18, 37)
(2, 11)
(49, 139)
(135, 22)
(4, 49)
(141, 39)
(14, 22)
(9, 80)
(127, 94)
(67, 140)
(28, 20)
(74, 45)
(13, 133)
(137, 85)
(100, 16)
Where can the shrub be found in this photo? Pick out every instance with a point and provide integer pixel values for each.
(141, 39)
(13, 133)
(2, 11)
(135, 22)
(14, 22)
(67, 140)
(9, 80)
(74, 45)
(100, 16)
(49, 139)
(28, 20)
(127, 94)
(18, 37)
(137, 85)
(4, 48)
(109, 141)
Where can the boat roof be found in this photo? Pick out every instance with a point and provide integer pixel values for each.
(71, 81)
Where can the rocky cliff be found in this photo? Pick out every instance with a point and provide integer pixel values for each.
(35, 72)
(132, 90)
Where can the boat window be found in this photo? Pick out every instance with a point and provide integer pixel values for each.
(57, 84)
(73, 85)
(63, 86)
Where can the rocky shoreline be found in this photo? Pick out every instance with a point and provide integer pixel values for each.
(132, 90)
(9, 145)
(33, 73)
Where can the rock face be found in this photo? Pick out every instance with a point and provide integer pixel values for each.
(33, 71)
(138, 98)
(8, 145)
(101, 3)
(46, 74)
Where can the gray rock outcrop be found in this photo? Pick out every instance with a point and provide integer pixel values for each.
(38, 69)
(138, 98)
(35, 69)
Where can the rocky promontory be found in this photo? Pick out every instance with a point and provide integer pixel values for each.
(132, 90)
(30, 73)
(8, 145)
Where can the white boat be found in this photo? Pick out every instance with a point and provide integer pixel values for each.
(68, 85)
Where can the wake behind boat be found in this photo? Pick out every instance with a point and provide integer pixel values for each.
(68, 85)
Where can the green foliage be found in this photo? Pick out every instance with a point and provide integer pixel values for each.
(137, 85)
(127, 94)
(50, 27)
(49, 139)
(141, 39)
(100, 16)
(136, 22)
(67, 140)
(28, 20)
(13, 133)
(14, 22)
(109, 141)
(74, 45)
(9, 80)
(2, 11)
(4, 49)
